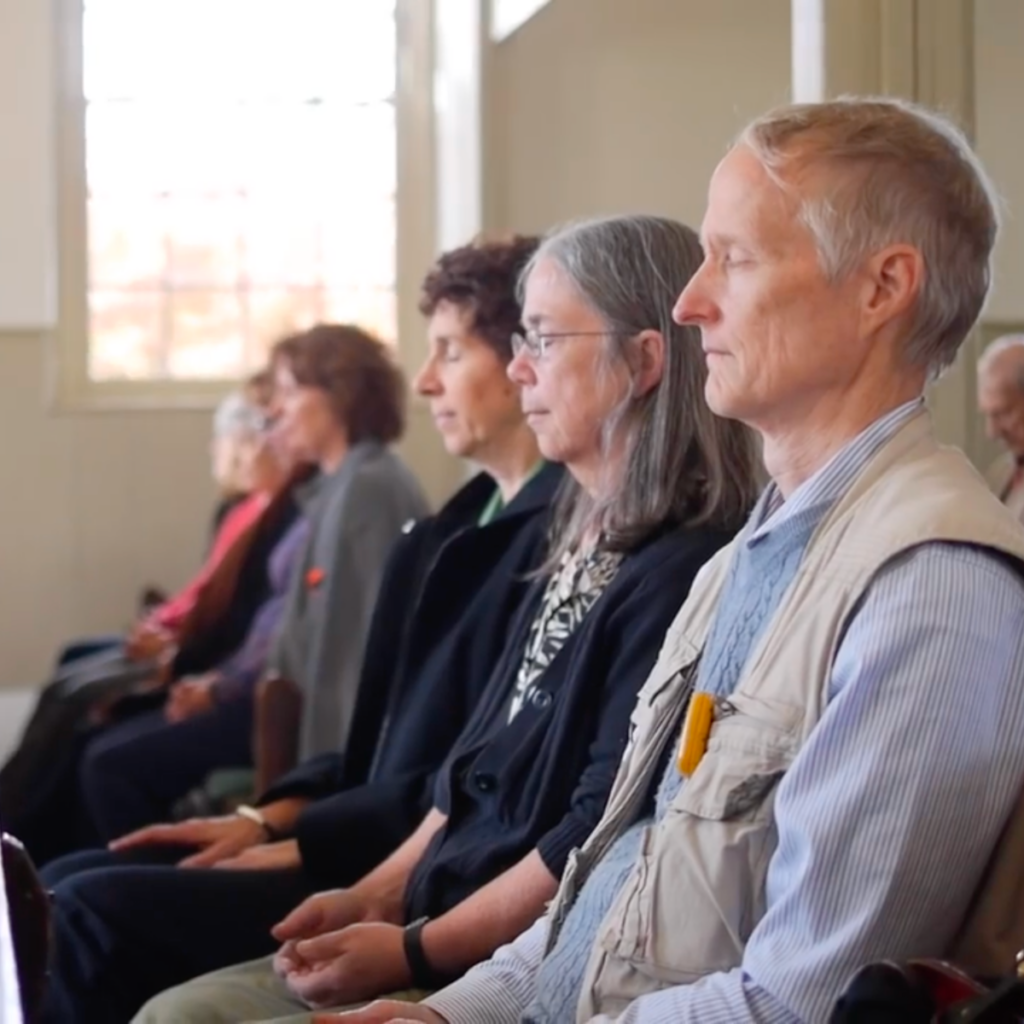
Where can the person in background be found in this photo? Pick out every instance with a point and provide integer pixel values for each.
(453, 584)
(188, 633)
(612, 389)
(133, 772)
(239, 428)
(827, 763)
(340, 404)
(1001, 403)
(230, 461)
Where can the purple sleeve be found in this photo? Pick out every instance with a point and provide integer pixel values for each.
(240, 673)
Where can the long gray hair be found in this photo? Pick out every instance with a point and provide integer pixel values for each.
(682, 464)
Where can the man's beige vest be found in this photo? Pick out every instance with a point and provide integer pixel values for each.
(698, 887)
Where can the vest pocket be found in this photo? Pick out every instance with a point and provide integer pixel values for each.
(698, 889)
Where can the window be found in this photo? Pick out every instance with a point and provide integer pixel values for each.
(240, 179)
(509, 15)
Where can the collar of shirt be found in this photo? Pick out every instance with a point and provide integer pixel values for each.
(496, 505)
(833, 479)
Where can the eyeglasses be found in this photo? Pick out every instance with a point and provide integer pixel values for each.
(535, 344)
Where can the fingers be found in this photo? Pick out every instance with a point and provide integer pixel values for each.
(253, 859)
(301, 922)
(318, 985)
(321, 948)
(240, 863)
(211, 856)
(287, 961)
(174, 709)
(265, 857)
(150, 836)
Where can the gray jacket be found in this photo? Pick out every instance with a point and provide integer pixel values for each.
(355, 515)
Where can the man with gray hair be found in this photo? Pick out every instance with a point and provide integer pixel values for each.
(1001, 402)
(825, 766)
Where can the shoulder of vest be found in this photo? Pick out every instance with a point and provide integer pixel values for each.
(938, 496)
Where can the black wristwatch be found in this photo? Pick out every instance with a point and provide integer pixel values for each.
(423, 974)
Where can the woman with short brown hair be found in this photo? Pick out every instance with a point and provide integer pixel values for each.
(339, 401)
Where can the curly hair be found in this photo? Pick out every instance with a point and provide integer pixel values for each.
(482, 278)
(365, 387)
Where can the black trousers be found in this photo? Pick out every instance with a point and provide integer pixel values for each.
(133, 772)
(128, 926)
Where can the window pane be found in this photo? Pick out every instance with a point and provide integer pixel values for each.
(126, 330)
(335, 151)
(207, 336)
(359, 245)
(277, 312)
(371, 308)
(148, 148)
(358, 149)
(204, 242)
(240, 49)
(241, 173)
(282, 242)
(126, 243)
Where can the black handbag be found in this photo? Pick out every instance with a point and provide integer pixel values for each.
(930, 992)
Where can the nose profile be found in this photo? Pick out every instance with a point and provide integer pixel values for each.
(694, 305)
(520, 371)
(426, 382)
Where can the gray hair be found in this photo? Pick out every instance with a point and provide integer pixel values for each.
(683, 465)
(993, 359)
(896, 173)
(236, 416)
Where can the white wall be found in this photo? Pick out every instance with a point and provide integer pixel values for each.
(27, 279)
(92, 507)
(999, 91)
(610, 106)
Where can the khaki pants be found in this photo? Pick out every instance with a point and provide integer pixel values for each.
(245, 993)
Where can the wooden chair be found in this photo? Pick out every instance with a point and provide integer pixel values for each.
(28, 907)
(277, 716)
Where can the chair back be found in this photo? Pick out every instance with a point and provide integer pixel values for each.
(24, 936)
(277, 717)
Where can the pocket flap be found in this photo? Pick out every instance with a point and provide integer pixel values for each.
(750, 747)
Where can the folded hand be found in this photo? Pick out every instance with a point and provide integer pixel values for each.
(358, 962)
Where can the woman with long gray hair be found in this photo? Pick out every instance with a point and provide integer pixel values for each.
(613, 389)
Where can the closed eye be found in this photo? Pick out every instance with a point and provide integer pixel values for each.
(735, 259)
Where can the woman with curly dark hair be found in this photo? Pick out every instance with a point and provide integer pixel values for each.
(473, 312)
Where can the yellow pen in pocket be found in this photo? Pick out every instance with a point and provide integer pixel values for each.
(696, 729)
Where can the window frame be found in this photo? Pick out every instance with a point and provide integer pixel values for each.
(69, 385)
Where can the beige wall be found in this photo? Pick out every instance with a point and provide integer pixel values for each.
(606, 106)
(999, 95)
(93, 506)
